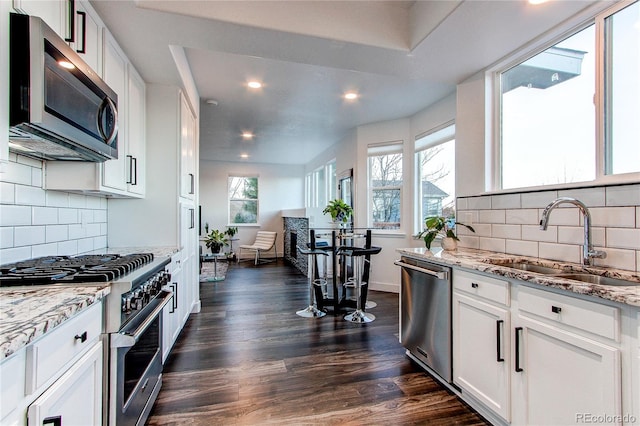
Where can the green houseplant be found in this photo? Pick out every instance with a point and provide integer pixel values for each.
(339, 210)
(440, 225)
(215, 240)
(230, 232)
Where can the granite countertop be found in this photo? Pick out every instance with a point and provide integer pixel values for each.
(27, 313)
(487, 261)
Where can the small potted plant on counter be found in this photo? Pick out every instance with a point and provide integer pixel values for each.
(445, 227)
(215, 240)
(339, 210)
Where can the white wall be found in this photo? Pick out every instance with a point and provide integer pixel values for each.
(280, 187)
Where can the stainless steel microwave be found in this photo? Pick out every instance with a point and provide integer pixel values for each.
(59, 108)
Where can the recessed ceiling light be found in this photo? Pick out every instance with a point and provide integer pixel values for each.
(212, 102)
(350, 96)
(254, 84)
(537, 1)
(247, 135)
(244, 155)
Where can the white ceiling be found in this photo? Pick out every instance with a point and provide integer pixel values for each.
(400, 56)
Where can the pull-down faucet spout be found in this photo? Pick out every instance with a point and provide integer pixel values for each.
(587, 248)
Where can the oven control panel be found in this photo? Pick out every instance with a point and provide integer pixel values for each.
(139, 297)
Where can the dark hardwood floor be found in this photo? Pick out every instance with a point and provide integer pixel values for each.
(248, 359)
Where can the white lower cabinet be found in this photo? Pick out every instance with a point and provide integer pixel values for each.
(173, 313)
(57, 379)
(75, 398)
(481, 338)
(540, 358)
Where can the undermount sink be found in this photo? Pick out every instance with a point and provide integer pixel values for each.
(596, 279)
(530, 267)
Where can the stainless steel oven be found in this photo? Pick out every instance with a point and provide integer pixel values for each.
(136, 360)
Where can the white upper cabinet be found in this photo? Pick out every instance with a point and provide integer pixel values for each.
(88, 35)
(55, 13)
(187, 150)
(136, 129)
(114, 172)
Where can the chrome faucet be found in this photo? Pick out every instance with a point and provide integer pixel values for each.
(587, 249)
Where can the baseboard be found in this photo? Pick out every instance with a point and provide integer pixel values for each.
(386, 287)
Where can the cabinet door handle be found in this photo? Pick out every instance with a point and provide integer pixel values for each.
(193, 218)
(556, 309)
(82, 337)
(71, 14)
(474, 285)
(134, 176)
(130, 179)
(192, 188)
(173, 298)
(83, 16)
(518, 334)
(499, 325)
(54, 421)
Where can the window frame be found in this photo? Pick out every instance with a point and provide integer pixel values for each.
(229, 199)
(448, 130)
(399, 144)
(595, 15)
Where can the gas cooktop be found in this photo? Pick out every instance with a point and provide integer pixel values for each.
(67, 269)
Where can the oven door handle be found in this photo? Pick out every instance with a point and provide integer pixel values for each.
(443, 275)
(126, 339)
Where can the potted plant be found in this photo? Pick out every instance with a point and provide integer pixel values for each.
(339, 210)
(230, 232)
(445, 227)
(215, 240)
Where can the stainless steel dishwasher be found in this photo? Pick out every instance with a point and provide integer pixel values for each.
(425, 314)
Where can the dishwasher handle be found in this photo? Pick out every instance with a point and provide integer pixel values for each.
(443, 275)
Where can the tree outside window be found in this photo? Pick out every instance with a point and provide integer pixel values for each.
(385, 183)
(243, 200)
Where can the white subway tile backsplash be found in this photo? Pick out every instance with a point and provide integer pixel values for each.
(57, 233)
(28, 161)
(623, 238)
(44, 250)
(15, 254)
(505, 201)
(93, 202)
(86, 216)
(615, 217)
(506, 231)
(479, 203)
(68, 247)
(637, 217)
(461, 204)
(534, 233)
(30, 195)
(28, 235)
(7, 193)
(522, 216)
(68, 216)
(575, 235)
(522, 248)
(469, 241)
(78, 201)
(618, 258)
(17, 173)
(36, 177)
(482, 230)
(15, 215)
(93, 230)
(491, 216)
(539, 200)
(6, 237)
(564, 252)
(569, 216)
(638, 261)
(57, 199)
(591, 197)
(77, 231)
(100, 242)
(628, 195)
(492, 244)
(85, 245)
(45, 216)
(100, 216)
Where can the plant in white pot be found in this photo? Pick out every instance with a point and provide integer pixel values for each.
(339, 211)
(444, 227)
(215, 240)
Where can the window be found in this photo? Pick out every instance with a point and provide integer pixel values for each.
(320, 185)
(332, 185)
(385, 185)
(435, 172)
(243, 200)
(553, 104)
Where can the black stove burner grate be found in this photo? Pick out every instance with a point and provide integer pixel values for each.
(66, 269)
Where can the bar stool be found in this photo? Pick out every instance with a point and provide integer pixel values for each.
(311, 311)
(359, 256)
